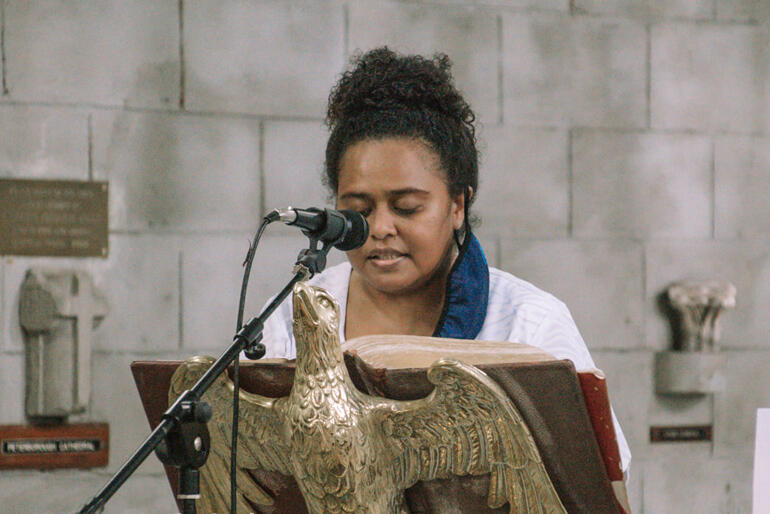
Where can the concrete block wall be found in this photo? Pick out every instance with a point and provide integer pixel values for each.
(624, 147)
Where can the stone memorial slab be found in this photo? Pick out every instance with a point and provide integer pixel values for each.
(61, 218)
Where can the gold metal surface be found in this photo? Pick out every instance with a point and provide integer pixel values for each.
(351, 452)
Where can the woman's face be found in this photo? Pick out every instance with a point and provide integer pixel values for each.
(398, 185)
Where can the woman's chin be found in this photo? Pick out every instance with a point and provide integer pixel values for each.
(388, 282)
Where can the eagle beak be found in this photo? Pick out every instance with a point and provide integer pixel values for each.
(303, 302)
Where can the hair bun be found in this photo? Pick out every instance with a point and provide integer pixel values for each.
(381, 80)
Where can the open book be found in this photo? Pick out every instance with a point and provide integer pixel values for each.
(567, 413)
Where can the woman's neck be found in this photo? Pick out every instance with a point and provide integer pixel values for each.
(417, 312)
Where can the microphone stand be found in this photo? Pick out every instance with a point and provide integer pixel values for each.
(182, 438)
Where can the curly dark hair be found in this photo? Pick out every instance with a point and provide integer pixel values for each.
(389, 95)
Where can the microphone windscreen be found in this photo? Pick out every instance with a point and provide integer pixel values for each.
(358, 232)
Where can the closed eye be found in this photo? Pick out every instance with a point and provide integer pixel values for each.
(406, 212)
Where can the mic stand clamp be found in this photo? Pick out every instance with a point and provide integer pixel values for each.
(187, 445)
(312, 260)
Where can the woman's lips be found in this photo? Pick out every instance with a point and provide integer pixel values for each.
(385, 258)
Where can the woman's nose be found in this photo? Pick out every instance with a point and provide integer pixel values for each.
(381, 224)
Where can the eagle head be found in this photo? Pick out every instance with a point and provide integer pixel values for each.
(316, 315)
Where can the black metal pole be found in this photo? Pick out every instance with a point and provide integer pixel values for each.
(249, 333)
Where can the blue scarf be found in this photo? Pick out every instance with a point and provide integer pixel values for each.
(467, 293)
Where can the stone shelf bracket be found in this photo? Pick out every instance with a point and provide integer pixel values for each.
(694, 366)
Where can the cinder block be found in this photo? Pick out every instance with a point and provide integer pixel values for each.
(264, 57)
(467, 36)
(629, 382)
(745, 264)
(743, 10)
(697, 484)
(748, 389)
(601, 283)
(143, 493)
(680, 410)
(212, 276)
(490, 244)
(113, 52)
(530, 5)
(13, 386)
(710, 77)
(70, 490)
(524, 185)
(39, 142)
(574, 71)
(641, 185)
(140, 280)
(694, 9)
(211, 283)
(115, 400)
(742, 187)
(294, 163)
(178, 172)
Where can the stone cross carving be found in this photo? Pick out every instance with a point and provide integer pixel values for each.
(58, 310)
(699, 305)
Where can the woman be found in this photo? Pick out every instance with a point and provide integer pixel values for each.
(402, 152)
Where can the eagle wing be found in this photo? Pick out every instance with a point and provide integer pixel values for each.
(468, 426)
(260, 444)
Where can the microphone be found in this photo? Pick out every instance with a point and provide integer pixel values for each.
(345, 230)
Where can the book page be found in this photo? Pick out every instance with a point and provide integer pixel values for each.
(402, 351)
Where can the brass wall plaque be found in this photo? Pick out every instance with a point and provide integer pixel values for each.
(62, 218)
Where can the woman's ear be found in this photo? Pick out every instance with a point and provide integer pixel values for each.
(459, 208)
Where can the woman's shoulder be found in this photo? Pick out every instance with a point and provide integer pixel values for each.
(508, 288)
(517, 308)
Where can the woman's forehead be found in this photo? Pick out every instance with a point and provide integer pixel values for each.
(392, 165)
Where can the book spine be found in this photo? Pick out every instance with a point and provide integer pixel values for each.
(598, 405)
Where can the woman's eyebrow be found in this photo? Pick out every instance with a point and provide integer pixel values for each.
(355, 196)
(395, 192)
(408, 191)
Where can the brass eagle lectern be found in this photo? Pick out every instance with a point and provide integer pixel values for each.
(351, 452)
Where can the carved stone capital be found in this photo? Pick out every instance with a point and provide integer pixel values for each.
(699, 305)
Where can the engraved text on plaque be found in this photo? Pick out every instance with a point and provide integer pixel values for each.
(53, 217)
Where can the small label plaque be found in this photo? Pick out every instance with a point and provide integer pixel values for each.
(680, 434)
(79, 445)
(61, 218)
(23, 446)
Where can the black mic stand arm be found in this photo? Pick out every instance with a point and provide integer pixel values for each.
(181, 437)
